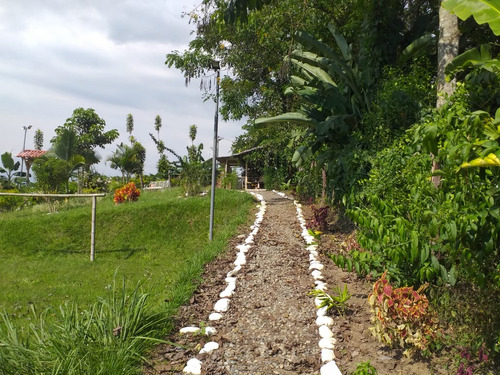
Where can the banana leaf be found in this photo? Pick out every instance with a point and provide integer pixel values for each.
(483, 11)
(295, 117)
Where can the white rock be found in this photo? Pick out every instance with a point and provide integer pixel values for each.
(325, 332)
(312, 247)
(324, 321)
(330, 369)
(321, 286)
(241, 260)
(317, 302)
(209, 331)
(234, 271)
(313, 252)
(327, 355)
(327, 343)
(317, 275)
(189, 330)
(229, 291)
(209, 347)
(316, 266)
(312, 258)
(230, 280)
(222, 305)
(249, 240)
(215, 316)
(243, 247)
(321, 311)
(193, 366)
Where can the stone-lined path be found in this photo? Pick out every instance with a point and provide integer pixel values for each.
(263, 321)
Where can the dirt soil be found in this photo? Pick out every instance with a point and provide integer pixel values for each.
(270, 326)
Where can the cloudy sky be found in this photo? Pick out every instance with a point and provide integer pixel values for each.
(109, 55)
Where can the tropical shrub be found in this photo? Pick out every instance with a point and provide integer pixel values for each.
(9, 202)
(402, 316)
(127, 193)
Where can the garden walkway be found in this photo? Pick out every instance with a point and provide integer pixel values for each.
(253, 314)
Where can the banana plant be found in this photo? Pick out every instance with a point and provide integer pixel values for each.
(483, 11)
(10, 167)
(334, 92)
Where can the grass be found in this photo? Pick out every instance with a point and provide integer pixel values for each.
(157, 245)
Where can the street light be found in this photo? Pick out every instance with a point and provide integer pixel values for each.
(25, 128)
(216, 66)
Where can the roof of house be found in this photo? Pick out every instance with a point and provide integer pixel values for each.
(31, 154)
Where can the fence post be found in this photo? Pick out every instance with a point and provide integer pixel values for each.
(92, 230)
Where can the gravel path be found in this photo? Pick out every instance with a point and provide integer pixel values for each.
(270, 326)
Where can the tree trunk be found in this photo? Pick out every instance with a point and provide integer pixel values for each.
(449, 36)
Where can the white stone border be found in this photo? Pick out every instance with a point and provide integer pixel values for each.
(193, 366)
(327, 341)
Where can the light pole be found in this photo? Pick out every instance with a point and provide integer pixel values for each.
(25, 128)
(216, 67)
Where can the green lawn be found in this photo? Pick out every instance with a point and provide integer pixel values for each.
(160, 240)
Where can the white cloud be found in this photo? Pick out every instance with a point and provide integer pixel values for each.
(58, 55)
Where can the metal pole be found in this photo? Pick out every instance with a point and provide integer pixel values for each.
(92, 230)
(25, 128)
(214, 158)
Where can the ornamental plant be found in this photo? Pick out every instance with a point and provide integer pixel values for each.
(402, 316)
(127, 193)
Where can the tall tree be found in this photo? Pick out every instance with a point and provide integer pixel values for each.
(64, 146)
(130, 127)
(449, 36)
(90, 133)
(124, 158)
(158, 125)
(38, 139)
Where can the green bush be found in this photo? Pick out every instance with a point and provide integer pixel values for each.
(107, 338)
(10, 203)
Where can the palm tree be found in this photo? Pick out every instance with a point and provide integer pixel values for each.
(125, 159)
(64, 147)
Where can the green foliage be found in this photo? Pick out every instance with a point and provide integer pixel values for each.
(38, 140)
(89, 130)
(128, 159)
(483, 11)
(229, 181)
(337, 303)
(108, 337)
(8, 202)
(9, 169)
(52, 173)
(365, 368)
(160, 242)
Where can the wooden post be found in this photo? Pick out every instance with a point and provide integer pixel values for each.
(246, 175)
(94, 204)
(92, 230)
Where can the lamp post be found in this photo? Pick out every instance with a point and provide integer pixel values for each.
(25, 128)
(216, 67)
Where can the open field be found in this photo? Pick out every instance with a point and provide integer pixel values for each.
(160, 240)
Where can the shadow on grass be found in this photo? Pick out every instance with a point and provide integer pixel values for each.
(129, 252)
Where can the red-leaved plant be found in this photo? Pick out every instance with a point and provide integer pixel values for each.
(402, 316)
(127, 193)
